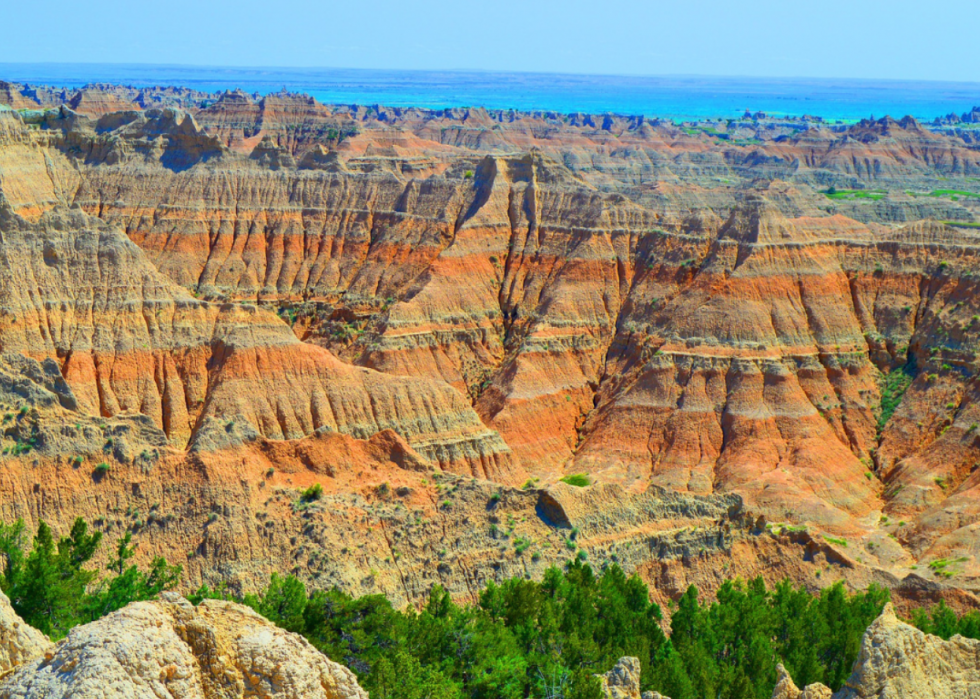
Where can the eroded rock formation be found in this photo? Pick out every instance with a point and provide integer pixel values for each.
(898, 660)
(623, 681)
(216, 287)
(171, 648)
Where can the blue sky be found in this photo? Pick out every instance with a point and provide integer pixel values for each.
(827, 38)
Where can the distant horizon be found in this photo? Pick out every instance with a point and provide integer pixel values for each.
(489, 71)
(680, 97)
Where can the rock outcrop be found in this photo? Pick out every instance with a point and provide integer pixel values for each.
(19, 643)
(170, 648)
(623, 681)
(786, 689)
(897, 661)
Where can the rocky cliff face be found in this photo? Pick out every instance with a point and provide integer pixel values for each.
(170, 648)
(213, 286)
(898, 660)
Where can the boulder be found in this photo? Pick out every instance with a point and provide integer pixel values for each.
(787, 689)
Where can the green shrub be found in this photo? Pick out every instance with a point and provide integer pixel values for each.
(313, 493)
(893, 389)
(579, 480)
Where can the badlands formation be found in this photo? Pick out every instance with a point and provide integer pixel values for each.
(758, 339)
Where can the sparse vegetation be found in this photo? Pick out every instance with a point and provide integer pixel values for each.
(962, 224)
(579, 480)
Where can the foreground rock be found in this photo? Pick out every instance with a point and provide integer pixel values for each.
(898, 660)
(19, 642)
(172, 649)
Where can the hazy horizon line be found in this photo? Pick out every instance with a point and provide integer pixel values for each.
(490, 71)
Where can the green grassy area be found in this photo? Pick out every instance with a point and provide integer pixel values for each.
(952, 194)
(962, 224)
(846, 194)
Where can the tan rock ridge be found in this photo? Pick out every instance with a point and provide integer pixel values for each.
(170, 648)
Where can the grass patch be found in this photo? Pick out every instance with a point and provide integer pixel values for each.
(832, 540)
(962, 224)
(940, 566)
(952, 193)
(848, 194)
(579, 480)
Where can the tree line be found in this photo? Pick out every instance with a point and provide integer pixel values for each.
(522, 639)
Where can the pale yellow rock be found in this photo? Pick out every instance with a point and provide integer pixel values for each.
(898, 661)
(787, 689)
(150, 650)
(18, 641)
(623, 681)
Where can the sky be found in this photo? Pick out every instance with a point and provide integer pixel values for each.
(786, 38)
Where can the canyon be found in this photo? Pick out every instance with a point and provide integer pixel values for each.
(365, 345)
